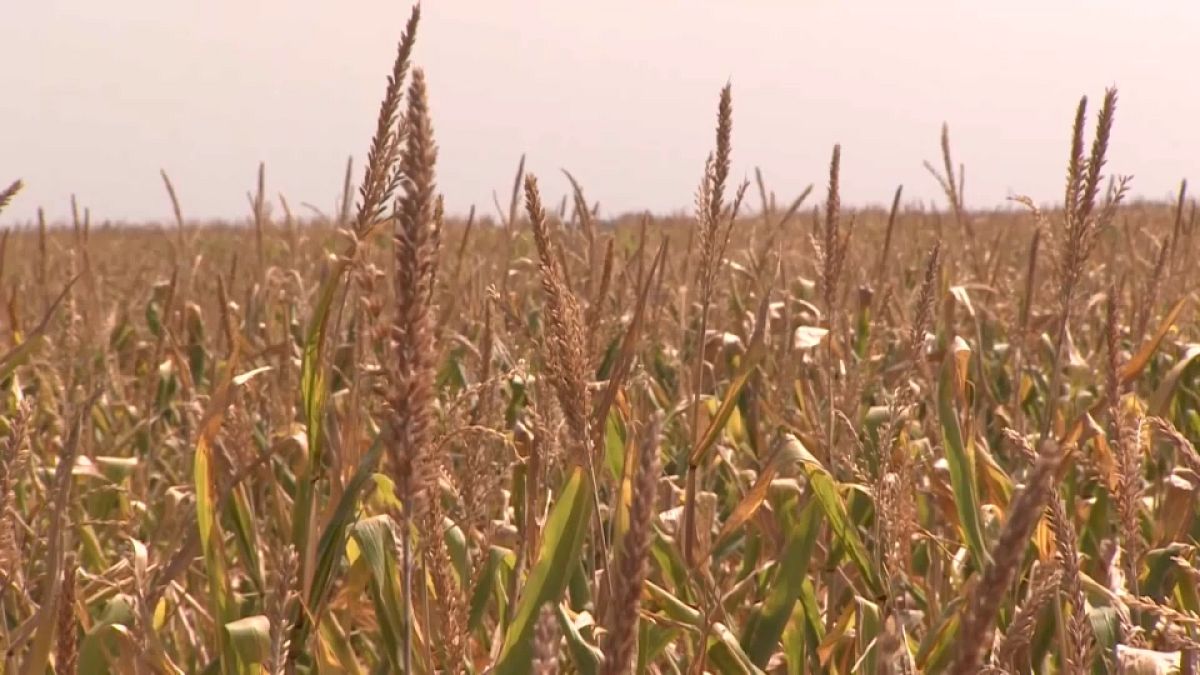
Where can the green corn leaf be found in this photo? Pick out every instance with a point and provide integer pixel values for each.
(768, 621)
(825, 489)
(726, 653)
(675, 608)
(561, 545)
(314, 391)
(750, 361)
(333, 538)
(251, 638)
(246, 535)
(960, 456)
(208, 523)
(1165, 393)
(936, 650)
(652, 640)
(101, 639)
(490, 582)
(585, 657)
(869, 624)
(378, 546)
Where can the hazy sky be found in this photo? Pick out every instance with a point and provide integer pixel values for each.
(97, 96)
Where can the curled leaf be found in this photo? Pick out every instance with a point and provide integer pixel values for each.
(808, 337)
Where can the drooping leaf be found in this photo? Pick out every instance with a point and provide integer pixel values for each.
(750, 361)
(585, 657)
(251, 638)
(1165, 392)
(100, 639)
(378, 546)
(767, 623)
(808, 337)
(825, 489)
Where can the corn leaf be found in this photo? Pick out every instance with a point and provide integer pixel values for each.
(251, 638)
(960, 456)
(750, 361)
(100, 639)
(767, 623)
(378, 546)
(825, 489)
(561, 545)
(1165, 392)
(333, 536)
(585, 657)
(868, 626)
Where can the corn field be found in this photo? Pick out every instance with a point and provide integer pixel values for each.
(774, 436)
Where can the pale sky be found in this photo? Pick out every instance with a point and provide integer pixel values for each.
(97, 96)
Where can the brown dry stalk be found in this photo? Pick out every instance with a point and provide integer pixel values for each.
(280, 604)
(886, 250)
(1178, 229)
(1151, 606)
(66, 655)
(14, 458)
(587, 227)
(954, 190)
(831, 255)
(923, 319)
(1022, 333)
(771, 243)
(1183, 447)
(347, 201)
(7, 194)
(709, 201)
(566, 361)
(767, 205)
(451, 601)
(707, 229)
(566, 356)
(1112, 378)
(1077, 633)
(897, 519)
(181, 253)
(724, 149)
(596, 306)
(978, 623)
(896, 486)
(379, 180)
(411, 396)
(831, 249)
(926, 298)
(1043, 587)
(1150, 292)
(1127, 435)
(629, 564)
(477, 482)
(259, 206)
(1080, 228)
(382, 176)
(56, 534)
(510, 224)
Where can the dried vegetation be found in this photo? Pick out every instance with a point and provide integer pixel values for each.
(748, 441)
